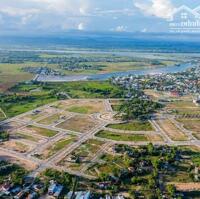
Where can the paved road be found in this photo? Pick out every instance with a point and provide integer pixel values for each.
(81, 138)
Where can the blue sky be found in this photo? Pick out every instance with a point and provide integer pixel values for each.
(88, 15)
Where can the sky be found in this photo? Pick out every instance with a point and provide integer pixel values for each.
(43, 16)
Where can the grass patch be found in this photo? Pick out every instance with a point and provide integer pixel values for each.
(133, 126)
(121, 137)
(78, 109)
(26, 137)
(42, 131)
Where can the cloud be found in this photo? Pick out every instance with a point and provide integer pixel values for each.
(158, 8)
(121, 28)
(81, 26)
(44, 14)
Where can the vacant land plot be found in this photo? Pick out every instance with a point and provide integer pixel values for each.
(154, 137)
(87, 106)
(88, 149)
(82, 155)
(171, 130)
(40, 131)
(191, 125)
(187, 186)
(133, 126)
(37, 114)
(53, 149)
(184, 108)
(115, 104)
(53, 119)
(78, 123)
(16, 146)
(112, 164)
(121, 136)
(20, 135)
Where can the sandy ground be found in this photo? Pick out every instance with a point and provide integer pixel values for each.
(29, 165)
(187, 186)
(16, 146)
(155, 138)
(92, 105)
(171, 130)
(80, 124)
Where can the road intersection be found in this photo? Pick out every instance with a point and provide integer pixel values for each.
(81, 138)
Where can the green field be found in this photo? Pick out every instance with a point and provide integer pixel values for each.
(42, 131)
(51, 119)
(121, 137)
(26, 137)
(132, 126)
(2, 117)
(20, 98)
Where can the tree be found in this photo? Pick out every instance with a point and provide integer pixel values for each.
(171, 189)
(138, 109)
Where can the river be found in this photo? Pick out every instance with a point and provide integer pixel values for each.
(68, 78)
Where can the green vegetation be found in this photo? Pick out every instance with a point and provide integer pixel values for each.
(133, 126)
(121, 136)
(138, 109)
(60, 177)
(146, 171)
(42, 131)
(15, 104)
(26, 137)
(78, 109)
(21, 98)
(4, 136)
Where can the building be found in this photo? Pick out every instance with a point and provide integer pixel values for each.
(79, 195)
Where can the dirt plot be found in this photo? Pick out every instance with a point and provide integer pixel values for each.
(155, 138)
(16, 146)
(184, 107)
(191, 125)
(78, 123)
(188, 186)
(10, 126)
(30, 130)
(53, 119)
(171, 130)
(82, 106)
(28, 165)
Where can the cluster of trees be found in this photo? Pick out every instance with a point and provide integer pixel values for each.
(12, 172)
(138, 108)
(144, 168)
(4, 136)
(60, 177)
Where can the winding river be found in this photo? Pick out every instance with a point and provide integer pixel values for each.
(163, 70)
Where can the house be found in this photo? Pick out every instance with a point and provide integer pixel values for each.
(197, 100)
(79, 195)
(55, 189)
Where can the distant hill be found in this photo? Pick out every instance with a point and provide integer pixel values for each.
(156, 42)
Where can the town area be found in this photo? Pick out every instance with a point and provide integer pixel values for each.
(85, 138)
